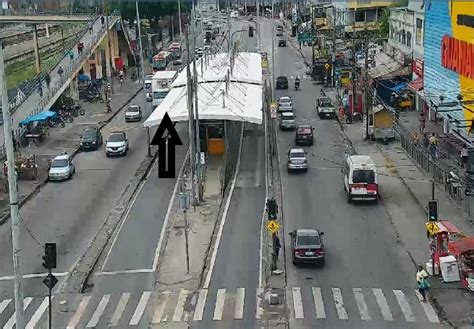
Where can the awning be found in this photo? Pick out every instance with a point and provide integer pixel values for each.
(43, 116)
(399, 87)
(416, 85)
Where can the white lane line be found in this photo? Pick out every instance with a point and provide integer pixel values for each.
(259, 308)
(77, 316)
(33, 276)
(224, 215)
(361, 304)
(404, 305)
(11, 322)
(318, 303)
(160, 309)
(199, 311)
(383, 305)
(98, 311)
(178, 311)
(339, 303)
(239, 304)
(137, 271)
(297, 303)
(220, 299)
(137, 315)
(38, 314)
(4, 304)
(119, 309)
(429, 310)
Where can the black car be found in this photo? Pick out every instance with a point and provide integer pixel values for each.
(282, 82)
(282, 43)
(91, 139)
(304, 135)
(307, 247)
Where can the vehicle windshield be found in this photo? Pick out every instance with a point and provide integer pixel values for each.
(285, 100)
(116, 138)
(88, 134)
(288, 116)
(304, 131)
(160, 94)
(133, 109)
(59, 163)
(160, 63)
(297, 154)
(326, 102)
(148, 77)
(363, 176)
(308, 240)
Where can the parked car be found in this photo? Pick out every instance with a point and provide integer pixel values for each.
(91, 139)
(304, 135)
(282, 82)
(287, 121)
(297, 160)
(117, 144)
(133, 113)
(279, 31)
(61, 168)
(282, 42)
(325, 108)
(307, 246)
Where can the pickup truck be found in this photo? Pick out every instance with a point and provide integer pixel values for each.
(325, 108)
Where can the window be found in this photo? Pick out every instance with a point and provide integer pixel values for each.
(308, 240)
(419, 32)
(59, 163)
(403, 41)
(359, 16)
(363, 176)
(409, 39)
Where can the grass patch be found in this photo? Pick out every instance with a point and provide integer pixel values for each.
(17, 75)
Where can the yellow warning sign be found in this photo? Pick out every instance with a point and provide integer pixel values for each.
(273, 226)
(273, 109)
(432, 228)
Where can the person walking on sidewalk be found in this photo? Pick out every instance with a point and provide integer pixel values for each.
(40, 88)
(71, 55)
(425, 141)
(422, 281)
(433, 145)
(47, 78)
(464, 157)
(60, 71)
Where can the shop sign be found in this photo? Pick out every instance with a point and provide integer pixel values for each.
(417, 67)
(458, 56)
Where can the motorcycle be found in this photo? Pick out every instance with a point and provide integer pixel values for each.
(297, 85)
(56, 121)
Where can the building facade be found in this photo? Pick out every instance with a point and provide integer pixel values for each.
(401, 33)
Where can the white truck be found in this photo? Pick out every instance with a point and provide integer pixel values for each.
(161, 84)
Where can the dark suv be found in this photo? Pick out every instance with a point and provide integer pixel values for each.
(304, 135)
(282, 82)
(282, 42)
(307, 246)
(91, 139)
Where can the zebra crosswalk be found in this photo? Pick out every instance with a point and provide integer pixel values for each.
(146, 308)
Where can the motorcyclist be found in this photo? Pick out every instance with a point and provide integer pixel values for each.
(297, 82)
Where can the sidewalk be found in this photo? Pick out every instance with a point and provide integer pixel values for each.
(65, 139)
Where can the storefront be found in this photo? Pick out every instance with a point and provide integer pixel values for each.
(449, 63)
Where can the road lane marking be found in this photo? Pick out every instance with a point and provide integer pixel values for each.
(137, 271)
(239, 304)
(318, 303)
(77, 316)
(429, 311)
(98, 311)
(259, 308)
(339, 303)
(297, 303)
(361, 305)
(383, 305)
(119, 309)
(11, 322)
(178, 311)
(220, 300)
(4, 304)
(38, 314)
(140, 308)
(404, 305)
(160, 309)
(198, 312)
(33, 276)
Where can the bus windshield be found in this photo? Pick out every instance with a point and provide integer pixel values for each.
(159, 63)
(160, 94)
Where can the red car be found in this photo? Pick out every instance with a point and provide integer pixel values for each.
(307, 246)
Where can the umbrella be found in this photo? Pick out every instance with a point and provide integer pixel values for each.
(83, 77)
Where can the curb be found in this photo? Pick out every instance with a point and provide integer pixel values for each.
(39, 187)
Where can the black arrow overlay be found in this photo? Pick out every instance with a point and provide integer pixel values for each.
(166, 138)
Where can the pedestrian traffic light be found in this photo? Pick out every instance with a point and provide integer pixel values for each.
(433, 210)
(251, 31)
(49, 258)
(272, 209)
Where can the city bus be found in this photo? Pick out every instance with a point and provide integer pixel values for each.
(161, 60)
(175, 49)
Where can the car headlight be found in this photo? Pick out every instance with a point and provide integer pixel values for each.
(81, 143)
(93, 142)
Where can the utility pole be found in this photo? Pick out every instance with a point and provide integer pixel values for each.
(110, 61)
(179, 20)
(13, 194)
(366, 87)
(197, 131)
(333, 57)
(273, 60)
(37, 53)
(140, 44)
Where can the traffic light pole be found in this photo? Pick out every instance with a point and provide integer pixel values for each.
(50, 305)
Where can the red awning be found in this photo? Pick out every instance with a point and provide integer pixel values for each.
(416, 85)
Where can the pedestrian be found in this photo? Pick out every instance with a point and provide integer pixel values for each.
(60, 71)
(102, 20)
(425, 142)
(422, 281)
(464, 156)
(433, 145)
(40, 88)
(47, 78)
(71, 55)
(422, 122)
(276, 245)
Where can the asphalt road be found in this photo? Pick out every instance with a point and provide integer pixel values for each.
(362, 253)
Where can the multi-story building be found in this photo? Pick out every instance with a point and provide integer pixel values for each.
(401, 33)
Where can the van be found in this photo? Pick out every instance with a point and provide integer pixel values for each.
(360, 178)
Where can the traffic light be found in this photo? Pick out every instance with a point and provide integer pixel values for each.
(49, 258)
(433, 210)
(272, 209)
(251, 31)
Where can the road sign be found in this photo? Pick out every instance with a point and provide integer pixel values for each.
(273, 226)
(432, 227)
(326, 66)
(50, 281)
(273, 110)
(305, 37)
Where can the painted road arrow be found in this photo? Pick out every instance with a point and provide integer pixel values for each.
(166, 147)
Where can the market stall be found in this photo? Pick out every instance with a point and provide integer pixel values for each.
(463, 250)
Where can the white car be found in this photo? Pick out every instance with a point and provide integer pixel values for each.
(285, 101)
(148, 81)
(133, 113)
(234, 14)
(117, 144)
(61, 168)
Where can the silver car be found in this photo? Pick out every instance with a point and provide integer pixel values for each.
(61, 168)
(133, 113)
(297, 160)
(285, 101)
(287, 121)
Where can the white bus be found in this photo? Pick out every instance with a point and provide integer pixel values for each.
(161, 84)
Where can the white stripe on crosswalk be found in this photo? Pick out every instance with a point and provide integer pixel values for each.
(178, 311)
(160, 309)
(297, 303)
(339, 303)
(201, 302)
(404, 305)
(429, 311)
(220, 300)
(4, 304)
(318, 303)
(11, 322)
(239, 304)
(361, 305)
(137, 315)
(77, 316)
(38, 314)
(383, 305)
(114, 321)
(98, 311)
(259, 308)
